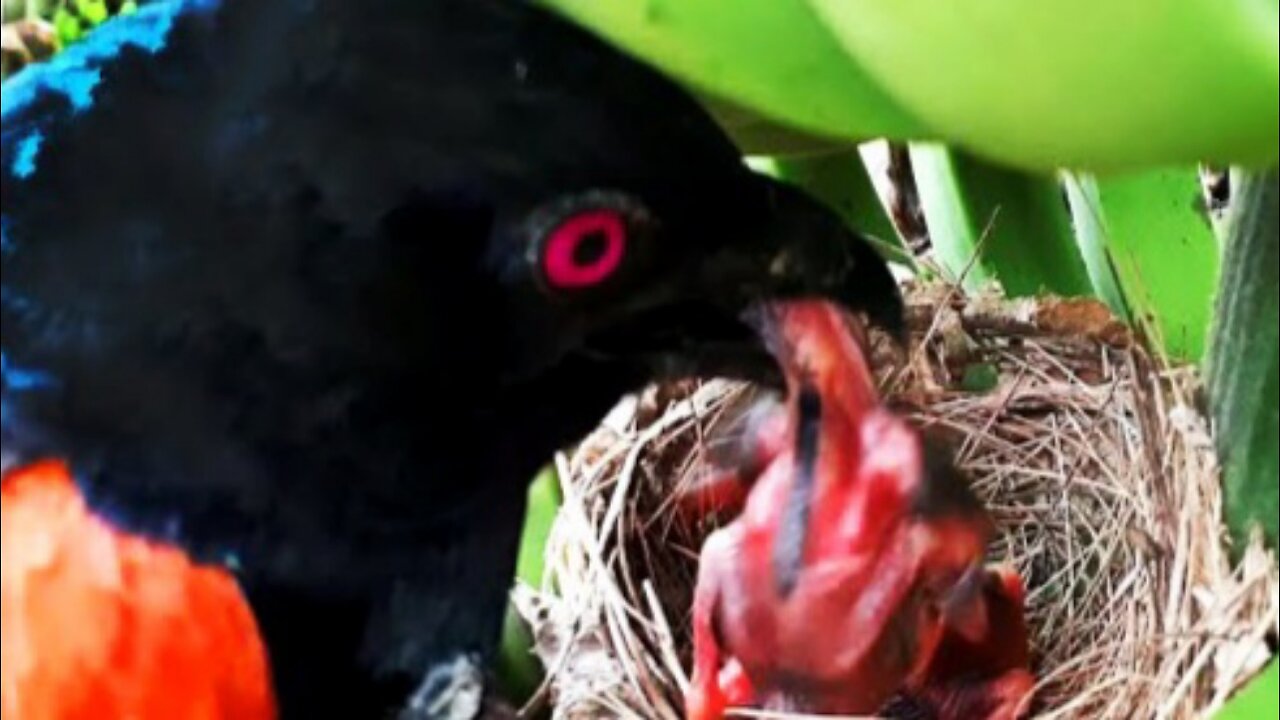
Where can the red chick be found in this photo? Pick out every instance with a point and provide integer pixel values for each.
(987, 677)
(855, 554)
(172, 640)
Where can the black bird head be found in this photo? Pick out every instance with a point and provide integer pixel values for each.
(643, 284)
(507, 188)
(624, 234)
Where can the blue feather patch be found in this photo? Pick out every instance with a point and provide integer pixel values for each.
(75, 72)
(24, 161)
(19, 379)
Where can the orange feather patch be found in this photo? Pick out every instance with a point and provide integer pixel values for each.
(101, 624)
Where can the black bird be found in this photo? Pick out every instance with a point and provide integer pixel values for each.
(310, 288)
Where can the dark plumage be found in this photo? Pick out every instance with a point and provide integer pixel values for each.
(275, 284)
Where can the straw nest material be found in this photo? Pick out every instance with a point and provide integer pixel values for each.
(1090, 453)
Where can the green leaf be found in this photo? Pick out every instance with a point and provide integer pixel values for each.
(1017, 224)
(68, 26)
(980, 378)
(756, 135)
(1097, 84)
(841, 181)
(1091, 236)
(772, 56)
(1085, 84)
(1150, 235)
(1244, 359)
(518, 671)
(94, 12)
(544, 504)
(14, 10)
(1259, 700)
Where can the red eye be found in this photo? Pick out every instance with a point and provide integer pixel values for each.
(584, 250)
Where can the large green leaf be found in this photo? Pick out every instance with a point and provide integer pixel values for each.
(1016, 224)
(1261, 700)
(757, 135)
(773, 56)
(1150, 235)
(1244, 359)
(1097, 84)
(1093, 84)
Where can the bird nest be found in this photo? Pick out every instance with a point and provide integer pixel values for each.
(1091, 455)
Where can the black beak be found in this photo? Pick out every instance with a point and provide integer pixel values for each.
(803, 250)
(794, 249)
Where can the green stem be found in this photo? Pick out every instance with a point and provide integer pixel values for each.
(1244, 359)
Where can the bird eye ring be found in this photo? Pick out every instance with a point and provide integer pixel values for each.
(585, 249)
